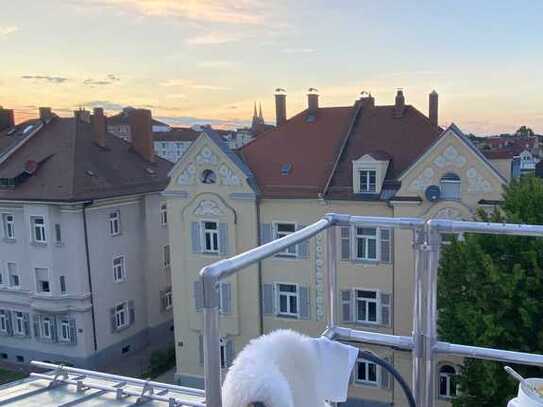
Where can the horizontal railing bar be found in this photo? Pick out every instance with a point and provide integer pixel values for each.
(497, 355)
(374, 338)
(227, 267)
(457, 226)
(376, 221)
(128, 380)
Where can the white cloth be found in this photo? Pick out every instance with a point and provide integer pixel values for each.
(287, 369)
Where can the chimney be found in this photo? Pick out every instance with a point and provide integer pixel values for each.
(367, 100)
(99, 124)
(280, 106)
(7, 119)
(142, 133)
(433, 107)
(45, 114)
(312, 100)
(400, 104)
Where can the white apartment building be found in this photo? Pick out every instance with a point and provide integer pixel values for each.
(84, 253)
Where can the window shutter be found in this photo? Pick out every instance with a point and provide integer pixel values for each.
(229, 352)
(265, 233)
(303, 247)
(386, 309)
(386, 245)
(198, 295)
(163, 300)
(223, 239)
(54, 332)
(226, 294)
(385, 376)
(36, 324)
(131, 312)
(304, 302)
(268, 299)
(73, 332)
(112, 318)
(26, 318)
(196, 246)
(201, 349)
(345, 243)
(9, 322)
(347, 305)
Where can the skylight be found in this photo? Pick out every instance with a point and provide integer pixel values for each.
(286, 168)
(28, 129)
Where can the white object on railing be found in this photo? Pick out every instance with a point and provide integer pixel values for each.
(525, 397)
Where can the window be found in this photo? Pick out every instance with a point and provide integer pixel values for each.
(368, 181)
(115, 223)
(282, 230)
(223, 353)
(119, 273)
(211, 237)
(62, 283)
(13, 276)
(9, 226)
(166, 256)
(65, 334)
(208, 177)
(3, 321)
(46, 327)
(287, 298)
(366, 243)
(42, 280)
(447, 381)
(366, 372)
(163, 214)
(58, 233)
(366, 306)
(121, 315)
(38, 229)
(168, 300)
(450, 186)
(19, 327)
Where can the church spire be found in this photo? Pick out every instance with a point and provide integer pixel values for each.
(254, 112)
(260, 117)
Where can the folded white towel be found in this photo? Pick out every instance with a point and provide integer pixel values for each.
(287, 369)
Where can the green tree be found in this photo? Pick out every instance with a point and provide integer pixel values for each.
(490, 292)
(524, 131)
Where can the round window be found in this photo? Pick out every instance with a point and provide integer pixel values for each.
(208, 177)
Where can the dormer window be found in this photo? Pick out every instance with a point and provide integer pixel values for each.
(368, 180)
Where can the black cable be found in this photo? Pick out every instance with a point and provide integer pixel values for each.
(389, 368)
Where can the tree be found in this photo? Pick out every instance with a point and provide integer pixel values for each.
(524, 131)
(490, 291)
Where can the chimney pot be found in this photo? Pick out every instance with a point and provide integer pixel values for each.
(433, 107)
(312, 100)
(45, 114)
(7, 118)
(142, 133)
(400, 103)
(99, 124)
(280, 106)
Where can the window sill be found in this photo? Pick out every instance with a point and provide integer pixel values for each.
(166, 269)
(39, 244)
(286, 256)
(8, 240)
(210, 253)
(115, 234)
(286, 316)
(366, 384)
(119, 281)
(59, 244)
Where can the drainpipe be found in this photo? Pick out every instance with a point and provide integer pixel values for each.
(85, 231)
(259, 273)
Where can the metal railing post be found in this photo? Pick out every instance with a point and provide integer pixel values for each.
(331, 274)
(418, 368)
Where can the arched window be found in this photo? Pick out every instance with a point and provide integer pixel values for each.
(447, 381)
(450, 186)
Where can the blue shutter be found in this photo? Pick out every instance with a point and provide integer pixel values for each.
(223, 239)
(268, 299)
(198, 295)
(347, 305)
(303, 247)
(196, 246)
(304, 302)
(226, 294)
(265, 233)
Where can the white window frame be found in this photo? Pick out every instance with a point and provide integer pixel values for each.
(19, 323)
(448, 378)
(119, 278)
(41, 227)
(3, 321)
(9, 275)
(367, 177)
(169, 303)
(46, 333)
(212, 232)
(115, 222)
(291, 251)
(65, 334)
(377, 382)
(8, 225)
(38, 287)
(164, 214)
(296, 295)
(119, 312)
(378, 310)
(377, 239)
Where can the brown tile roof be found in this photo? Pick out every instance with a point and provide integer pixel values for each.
(313, 147)
(73, 168)
(500, 154)
(177, 134)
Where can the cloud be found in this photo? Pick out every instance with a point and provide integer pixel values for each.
(110, 79)
(45, 78)
(216, 64)
(184, 83)
(213, 38)
(6, 30)
(106, 104)
(298, 50)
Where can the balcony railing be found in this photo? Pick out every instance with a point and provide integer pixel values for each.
(423, 343)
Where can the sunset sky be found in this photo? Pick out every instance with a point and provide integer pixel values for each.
(209, 60)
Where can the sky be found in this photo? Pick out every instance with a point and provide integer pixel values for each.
(208, 61)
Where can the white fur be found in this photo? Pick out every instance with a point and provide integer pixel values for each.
(278, 369)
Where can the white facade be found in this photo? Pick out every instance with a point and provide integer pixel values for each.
(171, 150)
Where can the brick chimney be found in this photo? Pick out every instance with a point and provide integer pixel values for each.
(280, 106)
(312, 100)
(399, 106)
(142, 133)
(99, 125)
(45, 114)
(7, 118)
(433, 107)
(367, 100)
